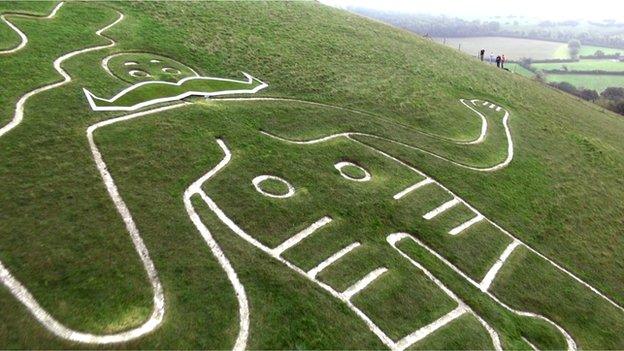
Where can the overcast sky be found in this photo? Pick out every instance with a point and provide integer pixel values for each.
(544, 9)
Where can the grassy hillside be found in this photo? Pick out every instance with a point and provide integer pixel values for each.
(516, 68)
(62, 237)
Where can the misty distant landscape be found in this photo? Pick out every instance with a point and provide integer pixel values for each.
(582, 57)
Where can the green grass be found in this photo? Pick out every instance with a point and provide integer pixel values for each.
(596, 82)
(274, 187)
(516, 68)
(587, 50)
(584, 65)
(8, 37)
(122, 65)
(353, 171)
(513, 326)
(465, 333)
(159, 90)
(533, 291)
(421, 303)
(62, 237)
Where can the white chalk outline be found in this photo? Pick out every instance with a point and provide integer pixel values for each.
(261, 178)
(441, 209)
(139, 73)
(431, 328)
(396, 237)
(20, 292)
(340, 165)
(91, 98)
(474, 210)
(241, 296)
(23, 37)
(67, 78)
(484, 124)
(250, 239)
(19, 107)
(171, 70)
(363, 283)
(392, 239)
(332, 259)
(479, 139)
(345, 297)
(297, 238)
(23, 295)
(350, 135)
(411, 188)
(491, 274)
(469, 223)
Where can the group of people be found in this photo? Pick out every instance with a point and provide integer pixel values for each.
(500, 59)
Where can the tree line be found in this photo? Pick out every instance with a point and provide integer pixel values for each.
(611, 98)
(443, 26)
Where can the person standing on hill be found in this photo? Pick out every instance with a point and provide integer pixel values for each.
(491, 58)
(503, 59)
(498, 61)
(482, 54)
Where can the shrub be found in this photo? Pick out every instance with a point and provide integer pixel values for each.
(613, 93)
(619, 107)
(574, 46)
(588, 94)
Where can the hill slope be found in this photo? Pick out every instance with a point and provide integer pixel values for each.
(542, 178)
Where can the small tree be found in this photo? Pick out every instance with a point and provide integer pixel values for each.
(574, 46)
(619, 107)
(613, 93)
(599, 53)
(589, 95)
(567, 87)
(526, 62)
(540, 77)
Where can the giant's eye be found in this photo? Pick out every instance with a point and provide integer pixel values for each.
(352, 172)
(171, 70)
(273, 186)
(139, 73)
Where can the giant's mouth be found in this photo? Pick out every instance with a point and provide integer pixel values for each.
(154, 92)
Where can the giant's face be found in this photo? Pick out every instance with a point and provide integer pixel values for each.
(139, 67)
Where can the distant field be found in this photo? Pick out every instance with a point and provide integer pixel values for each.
(517, 48)
(584, 65)
(512, 48)
(590, 50)
(588, 81)
(586, 50)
